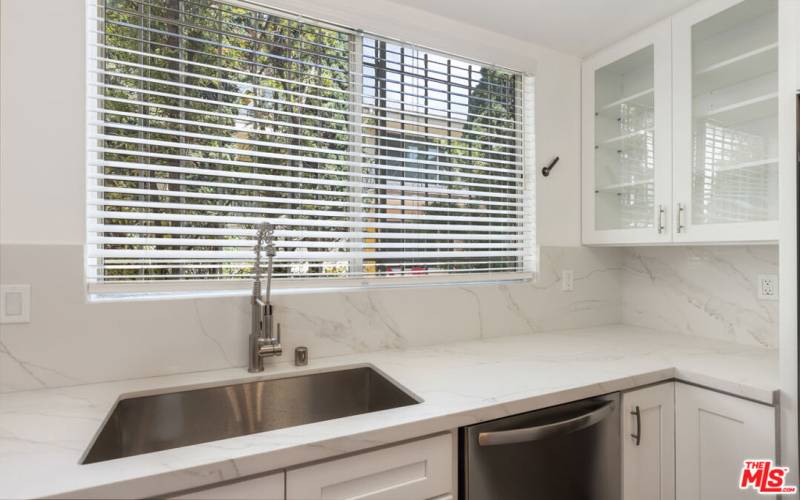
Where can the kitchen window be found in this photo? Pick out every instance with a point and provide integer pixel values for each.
(375, 159)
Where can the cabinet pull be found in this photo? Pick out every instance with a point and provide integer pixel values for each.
(661, 219)
(637, 436)
(681, 227)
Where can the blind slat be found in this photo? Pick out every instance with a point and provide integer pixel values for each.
(357, 235)
(205, 242)
(200, 254)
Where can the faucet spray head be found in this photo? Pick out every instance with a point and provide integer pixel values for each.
(264, 232)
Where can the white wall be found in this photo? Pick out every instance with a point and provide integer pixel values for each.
(42, 121)
(42, 98)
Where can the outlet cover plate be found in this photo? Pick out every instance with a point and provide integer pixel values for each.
(15, 304)
(768, 286)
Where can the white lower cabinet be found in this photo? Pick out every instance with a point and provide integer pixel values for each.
(269, 487)
(648, 443)
(692, 442)
(714, 434)
(417, 470)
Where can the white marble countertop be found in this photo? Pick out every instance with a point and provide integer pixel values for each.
(44, 433)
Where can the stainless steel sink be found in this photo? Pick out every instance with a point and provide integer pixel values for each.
(163, 421)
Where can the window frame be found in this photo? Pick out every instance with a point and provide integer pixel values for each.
(237, 286)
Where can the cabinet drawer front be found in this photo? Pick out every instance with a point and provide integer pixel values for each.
(269, 487)
(417, 470)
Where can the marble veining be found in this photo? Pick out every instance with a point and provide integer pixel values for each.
(70, 341)
(704, 291)
(460, 383)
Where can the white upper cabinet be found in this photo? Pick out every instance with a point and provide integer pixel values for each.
(725, 82)
(626, 141)
(680, 130)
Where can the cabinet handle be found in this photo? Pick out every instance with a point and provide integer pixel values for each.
(637, 436)
(681, 227)
(662, 212)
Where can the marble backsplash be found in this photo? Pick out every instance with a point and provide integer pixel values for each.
(705, 291)
(71, 341)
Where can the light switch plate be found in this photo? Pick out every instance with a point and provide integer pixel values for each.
(15, 304)
(768, 286)
(567, 280)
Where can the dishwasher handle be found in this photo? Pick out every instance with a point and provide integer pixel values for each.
(547, 430)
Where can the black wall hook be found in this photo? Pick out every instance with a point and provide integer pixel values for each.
(546, 170)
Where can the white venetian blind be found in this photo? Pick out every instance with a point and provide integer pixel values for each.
(371, 157)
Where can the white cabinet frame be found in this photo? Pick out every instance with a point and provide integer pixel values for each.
(761, 231)
(659, 37)
(674, 102)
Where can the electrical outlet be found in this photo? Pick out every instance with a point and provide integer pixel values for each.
(567, 280)
(15, 304)
(768, 286)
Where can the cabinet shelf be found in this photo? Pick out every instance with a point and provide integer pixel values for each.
(629, 135)
(746, 164)
(622, 186)
(744, 111)
(643, 98)
(744, 66)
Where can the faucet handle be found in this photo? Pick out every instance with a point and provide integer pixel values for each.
(278, 335)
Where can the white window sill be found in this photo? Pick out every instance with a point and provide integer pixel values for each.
(98, 293)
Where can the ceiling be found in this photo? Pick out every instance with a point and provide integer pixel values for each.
(578, 27)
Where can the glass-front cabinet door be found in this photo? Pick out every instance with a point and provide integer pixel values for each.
(725, 89)
(626, 141)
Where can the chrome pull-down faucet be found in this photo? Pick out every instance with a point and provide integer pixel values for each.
(263, 340)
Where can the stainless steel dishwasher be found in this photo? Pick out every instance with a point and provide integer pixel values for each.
(566, 452)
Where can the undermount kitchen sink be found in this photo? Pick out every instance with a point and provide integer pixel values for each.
(163, 421)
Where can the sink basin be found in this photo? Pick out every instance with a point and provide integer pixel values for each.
(163, 421)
